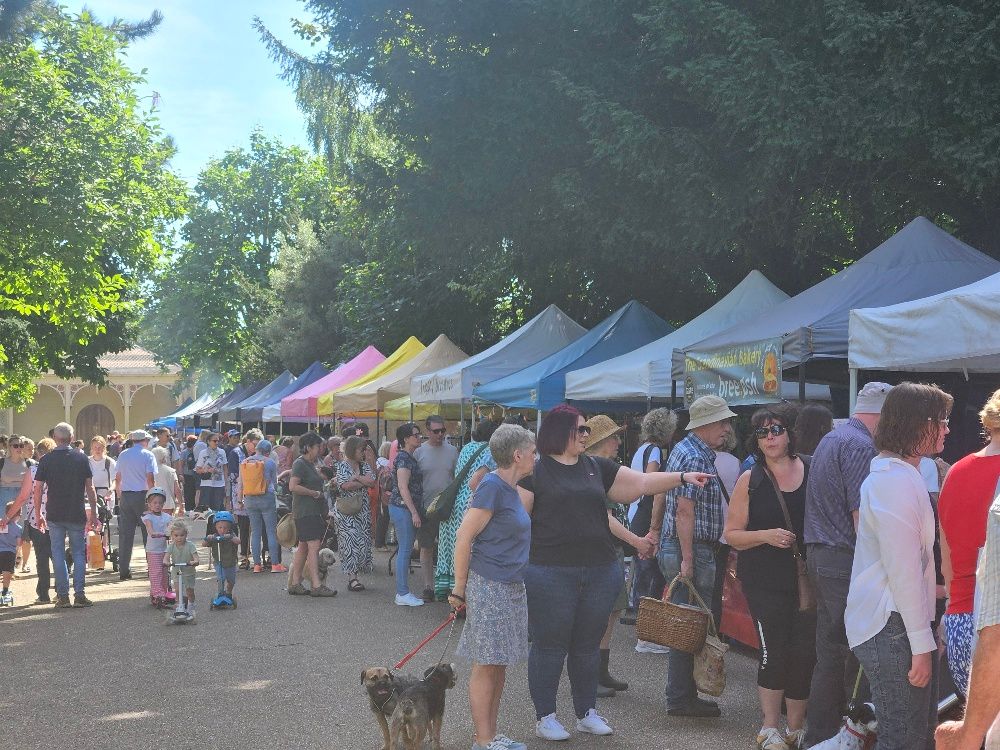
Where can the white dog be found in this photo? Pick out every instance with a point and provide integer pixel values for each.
(326, 561)
(858, 732)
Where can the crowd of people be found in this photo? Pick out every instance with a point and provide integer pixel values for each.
(860, 553)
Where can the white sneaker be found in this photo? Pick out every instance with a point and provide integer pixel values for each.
(593, 724)
(409, 600)
(769, 738)
(549, 728)
(648, 647)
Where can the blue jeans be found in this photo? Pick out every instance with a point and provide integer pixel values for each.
(568, 609)
(907, 715)
(78, 546)
(405, 534)
(263, 513)
(648, 581)
(681, 690)
(130, 510)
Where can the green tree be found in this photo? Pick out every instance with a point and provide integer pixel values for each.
(213, 292)
(86, 196)
(588, 152)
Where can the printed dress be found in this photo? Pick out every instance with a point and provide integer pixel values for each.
(444, 572)
(354, 533)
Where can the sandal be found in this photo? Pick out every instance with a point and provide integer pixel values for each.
(355, 585)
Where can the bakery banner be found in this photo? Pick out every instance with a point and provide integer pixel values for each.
(745, 374)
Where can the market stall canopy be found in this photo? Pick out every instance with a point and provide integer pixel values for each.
(648, 372)
(234, 412)
(955, 331)
(300, 406)
(398, 410)
(919, 260)
(543, 384)
(372, 396)
(191, 407)
(547, 332)
(271, 411)
(406, 351)
(226, 400)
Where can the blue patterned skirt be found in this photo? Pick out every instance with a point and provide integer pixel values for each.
(496, 625)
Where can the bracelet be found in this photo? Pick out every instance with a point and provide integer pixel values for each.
(457, 596)
(682, 478)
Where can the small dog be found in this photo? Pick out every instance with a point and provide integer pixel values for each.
(380, 684)
(385, 690)
(409, 721)
(326, 561)
(858, 732)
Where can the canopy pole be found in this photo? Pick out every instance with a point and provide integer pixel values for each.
(461, 422)
(377, 421)
(802, 382)
(411, 410)
(473, 405)
(538, 422)
(673, 394)
(854, 390)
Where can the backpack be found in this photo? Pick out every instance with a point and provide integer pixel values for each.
(643, 518)
(190, 462)
(385, 480)
(252, 477)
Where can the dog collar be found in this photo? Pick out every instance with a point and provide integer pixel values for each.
(856, 733)
(391, 693)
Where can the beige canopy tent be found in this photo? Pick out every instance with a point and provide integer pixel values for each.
(370, 398)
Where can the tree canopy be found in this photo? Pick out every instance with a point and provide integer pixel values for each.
(86, 196)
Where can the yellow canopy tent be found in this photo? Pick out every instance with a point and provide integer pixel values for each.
(398, 410)
(369, 398)
(406, 351)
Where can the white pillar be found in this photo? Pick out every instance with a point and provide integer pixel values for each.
(854, 389)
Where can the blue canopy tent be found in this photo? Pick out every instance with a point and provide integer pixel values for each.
(189, 408)
(270, 410)
(210, 412)
(234, 412)
(543, 384)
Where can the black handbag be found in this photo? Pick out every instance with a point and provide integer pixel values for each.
(441, 506)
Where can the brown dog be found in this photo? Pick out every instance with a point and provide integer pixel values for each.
(409, 720)
(380, 684)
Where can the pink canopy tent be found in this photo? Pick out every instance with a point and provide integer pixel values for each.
(301, 405)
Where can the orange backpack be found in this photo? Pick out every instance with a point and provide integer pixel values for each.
(252, 477)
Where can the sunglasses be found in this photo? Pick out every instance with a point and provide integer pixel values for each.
(776, 429)
(417, 435)
(15, 445)
(583, 430)
(440, 430)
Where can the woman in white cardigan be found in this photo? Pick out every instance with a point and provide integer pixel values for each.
(890, 605)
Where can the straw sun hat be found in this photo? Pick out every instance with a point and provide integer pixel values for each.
(601, 427)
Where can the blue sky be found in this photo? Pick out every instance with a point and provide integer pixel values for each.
(213, 75)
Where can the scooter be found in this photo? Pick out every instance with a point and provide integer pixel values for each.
(180, 615)
(224, 601)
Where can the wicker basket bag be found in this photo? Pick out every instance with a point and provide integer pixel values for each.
(679, 626)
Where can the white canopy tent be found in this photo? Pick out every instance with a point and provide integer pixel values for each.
(649, 371)
(954, 331)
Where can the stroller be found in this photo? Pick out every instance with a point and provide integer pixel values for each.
(104, 515)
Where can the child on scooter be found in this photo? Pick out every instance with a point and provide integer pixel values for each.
(181, 551)
(224, 540)
(10, 538)
(156, 523)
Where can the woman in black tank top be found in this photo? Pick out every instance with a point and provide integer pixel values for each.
(768, 572)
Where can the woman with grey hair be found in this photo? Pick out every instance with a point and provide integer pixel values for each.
(655, 437)
(491, 554)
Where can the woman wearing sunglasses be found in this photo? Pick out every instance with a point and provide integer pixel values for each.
(574, 573)
(768, 571)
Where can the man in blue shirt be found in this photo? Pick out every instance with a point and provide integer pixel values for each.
(839, 466)
(692, 525)
(136, 475)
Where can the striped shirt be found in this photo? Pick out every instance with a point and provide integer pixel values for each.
(840, 465)
(693, 454)
(988, 575)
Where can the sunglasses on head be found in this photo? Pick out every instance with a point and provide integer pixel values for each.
(775, 429)
(439, 430)
(583, 430)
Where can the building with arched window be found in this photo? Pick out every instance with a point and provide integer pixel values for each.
(138, 391)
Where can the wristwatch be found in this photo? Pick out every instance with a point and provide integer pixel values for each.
(682, 478)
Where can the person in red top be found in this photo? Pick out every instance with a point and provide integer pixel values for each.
(963, 507)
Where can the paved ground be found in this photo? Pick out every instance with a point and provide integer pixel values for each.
(283, 672)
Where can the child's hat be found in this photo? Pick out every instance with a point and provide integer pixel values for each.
(156, 491)
(224, 515)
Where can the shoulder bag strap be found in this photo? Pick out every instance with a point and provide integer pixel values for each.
(460, 477)
(722, 486)
(784, 510)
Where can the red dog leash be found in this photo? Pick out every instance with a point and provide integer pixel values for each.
(451, 618)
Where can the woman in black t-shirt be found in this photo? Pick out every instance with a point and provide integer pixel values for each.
(574, 574)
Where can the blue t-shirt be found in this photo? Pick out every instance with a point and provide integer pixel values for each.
(8, 539)
(134, 464)
(500, 552)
